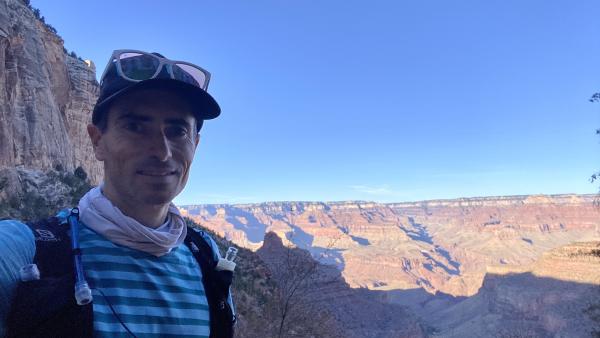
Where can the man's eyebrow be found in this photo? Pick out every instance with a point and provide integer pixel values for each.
(179, 121)
(141, 118)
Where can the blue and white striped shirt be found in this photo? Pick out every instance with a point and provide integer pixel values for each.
(153, 296)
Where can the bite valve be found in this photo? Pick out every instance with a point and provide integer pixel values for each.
(83, 293)
(227, 263)
(29, 272)
(231, 254)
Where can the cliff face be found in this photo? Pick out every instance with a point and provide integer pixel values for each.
(46, 97)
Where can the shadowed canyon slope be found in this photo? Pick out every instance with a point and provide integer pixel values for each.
(559, 295)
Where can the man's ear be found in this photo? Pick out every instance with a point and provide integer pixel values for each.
(96, 137)
(197, 141)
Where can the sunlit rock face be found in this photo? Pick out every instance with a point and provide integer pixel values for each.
(439, 246)
(46, 97)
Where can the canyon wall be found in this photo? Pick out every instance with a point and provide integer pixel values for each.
(46, 97)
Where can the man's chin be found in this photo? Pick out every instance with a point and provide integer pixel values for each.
(158, 197)
(153, 193)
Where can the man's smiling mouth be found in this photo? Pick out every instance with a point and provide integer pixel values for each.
(157, 173)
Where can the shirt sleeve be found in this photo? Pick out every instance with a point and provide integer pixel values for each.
(17, 248)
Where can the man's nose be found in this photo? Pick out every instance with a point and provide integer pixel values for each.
(159, 146)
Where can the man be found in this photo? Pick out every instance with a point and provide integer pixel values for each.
(130, 259)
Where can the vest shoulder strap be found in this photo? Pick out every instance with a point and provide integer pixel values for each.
(196, 242)
(216, 285)
(53, 247)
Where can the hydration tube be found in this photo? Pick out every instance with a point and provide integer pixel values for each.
(83, 293)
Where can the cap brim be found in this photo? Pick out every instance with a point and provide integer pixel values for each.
(203, 104)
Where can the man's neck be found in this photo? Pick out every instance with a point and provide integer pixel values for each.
(152, 216)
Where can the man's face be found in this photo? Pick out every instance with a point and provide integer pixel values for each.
(147, 147)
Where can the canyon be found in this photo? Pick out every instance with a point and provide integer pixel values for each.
(437, 256)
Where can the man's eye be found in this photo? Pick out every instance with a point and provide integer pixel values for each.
(176, 132)
(133, 126)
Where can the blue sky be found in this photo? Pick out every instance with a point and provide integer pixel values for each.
(372, 100)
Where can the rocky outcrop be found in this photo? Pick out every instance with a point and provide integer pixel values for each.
(29, 195)
(46, 97)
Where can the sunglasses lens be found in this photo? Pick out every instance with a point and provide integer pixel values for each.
(138, 66)
(190, 74)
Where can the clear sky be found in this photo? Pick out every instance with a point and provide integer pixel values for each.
(372, 100)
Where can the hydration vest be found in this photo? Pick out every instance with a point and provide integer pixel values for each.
(47, 308)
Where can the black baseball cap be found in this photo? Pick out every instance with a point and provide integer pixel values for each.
(129, 70)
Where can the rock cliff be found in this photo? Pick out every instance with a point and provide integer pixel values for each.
(46, 97)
